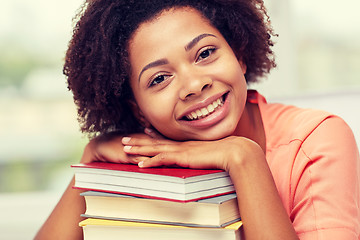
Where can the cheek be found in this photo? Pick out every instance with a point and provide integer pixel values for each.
(238, 81)
(157, 110)
(230, 70)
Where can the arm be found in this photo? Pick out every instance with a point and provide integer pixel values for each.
(261, 208)
(63, 222)
(325, 193)
(262, 212)
(326, 203)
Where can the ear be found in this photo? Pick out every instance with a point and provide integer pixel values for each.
(138, 114)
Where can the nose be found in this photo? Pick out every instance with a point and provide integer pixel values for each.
(193, 84)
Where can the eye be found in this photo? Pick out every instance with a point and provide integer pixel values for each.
(158, 79)
(205, 53)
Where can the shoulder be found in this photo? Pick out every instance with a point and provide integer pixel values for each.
(330, 145)
(286, 123)
(325, 176)
(321, 185)
(312, 129)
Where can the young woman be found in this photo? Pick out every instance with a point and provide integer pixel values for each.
(178, 70)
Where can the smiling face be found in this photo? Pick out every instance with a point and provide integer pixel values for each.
(187, 82)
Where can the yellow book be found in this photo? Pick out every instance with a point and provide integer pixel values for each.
(95, 229)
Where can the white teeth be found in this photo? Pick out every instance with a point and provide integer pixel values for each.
(210, 108)
(203, 112)
(194, 115)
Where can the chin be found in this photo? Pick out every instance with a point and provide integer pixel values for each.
(215, 135)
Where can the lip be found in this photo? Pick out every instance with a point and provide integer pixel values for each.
(211, 119)
(201, 104)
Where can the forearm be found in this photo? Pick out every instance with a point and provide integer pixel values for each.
(261, 209)
(63, 222)
(260, 206)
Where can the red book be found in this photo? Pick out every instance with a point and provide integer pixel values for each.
(174, 184)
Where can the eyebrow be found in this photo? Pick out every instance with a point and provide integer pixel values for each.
(156, 63)
(188, 47)
(193, 42)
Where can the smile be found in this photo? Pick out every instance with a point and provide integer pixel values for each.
(206, 111)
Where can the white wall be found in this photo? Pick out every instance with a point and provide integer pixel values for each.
(345, 104)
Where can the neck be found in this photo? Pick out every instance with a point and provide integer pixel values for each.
(251, 126)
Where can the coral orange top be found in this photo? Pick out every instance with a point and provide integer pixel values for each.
(315, 163)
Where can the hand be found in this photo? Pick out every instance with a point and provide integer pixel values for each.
(217, 154)
(108, 148)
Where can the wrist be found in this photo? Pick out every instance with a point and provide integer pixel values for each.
(242, 154)
(87, 153)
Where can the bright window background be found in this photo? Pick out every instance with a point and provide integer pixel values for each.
(39, 136)
(318, 55)
(318, 49)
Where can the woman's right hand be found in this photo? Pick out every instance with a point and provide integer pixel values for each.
(108, 148)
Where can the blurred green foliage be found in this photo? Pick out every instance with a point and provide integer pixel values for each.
(18, 60)
(20, 175)
(15, 63)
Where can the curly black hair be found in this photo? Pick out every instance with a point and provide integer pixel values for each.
(97, 65)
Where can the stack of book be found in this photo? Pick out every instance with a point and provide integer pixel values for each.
(157, 203)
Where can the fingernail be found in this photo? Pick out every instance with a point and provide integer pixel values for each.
(148, 130)
(141, 164)
(126, 140)
(127, 148)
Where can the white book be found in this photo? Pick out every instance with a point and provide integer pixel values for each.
(175, 184)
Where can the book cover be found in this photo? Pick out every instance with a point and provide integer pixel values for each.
(177, 184)
(110, 229)
(160, 173)
(211, 212)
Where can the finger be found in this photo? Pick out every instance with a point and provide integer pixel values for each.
(136, 141)
(181, 159)
(110, 152)
(149, 150)
(153, 133)
(133, 159)
(104, 152)
(113, 152)
(140, 160)
(165, 159)
(157, 161)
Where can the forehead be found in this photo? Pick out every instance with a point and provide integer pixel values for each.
(171, 28)
(170, 18)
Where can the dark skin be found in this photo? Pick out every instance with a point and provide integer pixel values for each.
(63, 221)
(241, 153)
